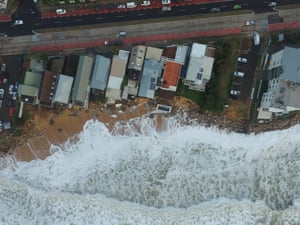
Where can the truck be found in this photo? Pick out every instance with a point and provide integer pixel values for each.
(131, 5)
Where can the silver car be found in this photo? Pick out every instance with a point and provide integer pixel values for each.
(239, 74)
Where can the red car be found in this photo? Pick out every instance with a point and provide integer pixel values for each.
(11, 112)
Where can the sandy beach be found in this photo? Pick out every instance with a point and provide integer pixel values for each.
(55, 126)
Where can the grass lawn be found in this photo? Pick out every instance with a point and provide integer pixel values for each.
(217, 89)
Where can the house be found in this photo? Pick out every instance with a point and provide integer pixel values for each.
(153, 53)
(100, 73)
(181, 54)
(135, 67)
(47, 88)
(29, 90)
(283, 94)
(149, 78)
(116, 76)
(80, 92)
(137, 57)
(63, 89)
(70, 65)
(199, 68)
(170, 79)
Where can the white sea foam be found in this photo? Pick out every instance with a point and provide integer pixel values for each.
(137, 175)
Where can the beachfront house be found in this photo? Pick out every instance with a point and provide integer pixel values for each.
(149, 78)
(81, 88)
(151, 72)
(137, 57)
(169, 80)
(200, 67)
(100, 74)
(283, 94)
(135, 66)
(47, 88)
(29, 90)
(63, 89)
(116, 76)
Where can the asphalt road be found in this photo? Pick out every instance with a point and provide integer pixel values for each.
(34, 21)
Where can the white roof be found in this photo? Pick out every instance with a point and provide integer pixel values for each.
(199, 68)
(63, 89)
(198, 50)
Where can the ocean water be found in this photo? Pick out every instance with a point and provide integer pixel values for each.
(184, 174)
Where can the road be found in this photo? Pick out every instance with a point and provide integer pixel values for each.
(34, 21)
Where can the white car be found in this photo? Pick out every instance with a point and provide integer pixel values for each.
(18, 22)
(121, 6)
(61, 11)
(235, 92)
(3, 67)
(250, 23)
(146, 3)
(239, 74)
(242, 59)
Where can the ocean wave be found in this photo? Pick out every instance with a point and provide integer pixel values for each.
(185, 173)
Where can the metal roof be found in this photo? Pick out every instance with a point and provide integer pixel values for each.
(33, 79)
(63, 90)
(151, 72)
(100, 73)
(82, 78)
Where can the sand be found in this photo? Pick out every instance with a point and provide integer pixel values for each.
(55, 126)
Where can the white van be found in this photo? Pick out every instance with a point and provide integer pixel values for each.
(122, 33)
(256, 38)
(131, 5)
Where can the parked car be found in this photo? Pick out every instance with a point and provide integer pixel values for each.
(165, 2)
(11, 112)
(215, 9)
(146, 3)
(237, 6)
(235, 92)
(61, 11)
(2, 93)
(250, 23)
(9, 103)
(11, 89)
(239, 74)
(242, 59)
(6, 125)
(16, 86)
(14, 95)
(3, 67)
(1, 126)
(121, 6)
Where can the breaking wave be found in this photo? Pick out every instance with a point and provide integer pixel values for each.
(184, 174)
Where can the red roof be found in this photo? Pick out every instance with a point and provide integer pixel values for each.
(171, 74)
